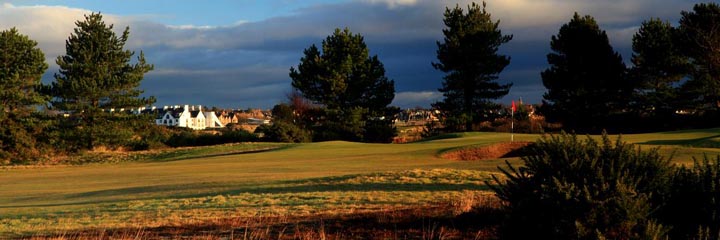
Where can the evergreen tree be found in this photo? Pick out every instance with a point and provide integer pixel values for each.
(349, 84)
(22, 64)
(700, 38)
(96, 75)
(658, 66)
(586, 78)
(469, 56)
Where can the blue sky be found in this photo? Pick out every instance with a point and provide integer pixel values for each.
(174, 12)
(237, 54)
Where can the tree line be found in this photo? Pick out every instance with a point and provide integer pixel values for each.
(673, 81)
(672, 84)
(41, 121)
(340, 91)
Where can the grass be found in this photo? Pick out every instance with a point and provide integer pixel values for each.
(192, 185)
(105, 157)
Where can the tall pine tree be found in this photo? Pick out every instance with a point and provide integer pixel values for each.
(351, 87)
(469, 56)
(658, 67)
(96, 75)
(700, 39)
(586, 78)
(22, 64)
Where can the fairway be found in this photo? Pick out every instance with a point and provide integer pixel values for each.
(299, 179)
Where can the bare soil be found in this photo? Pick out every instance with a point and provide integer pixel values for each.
(495, 151)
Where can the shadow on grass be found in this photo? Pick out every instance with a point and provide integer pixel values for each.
(365, 187)
(175, 191)
(188, 155)
(439, 137)
(704, 142)
(308, 188)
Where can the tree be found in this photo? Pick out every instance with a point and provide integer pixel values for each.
(658, 66)
(96, 74)
(348, 83)
(700, 36)
(469, 56)
(22, 64)
(586, 78)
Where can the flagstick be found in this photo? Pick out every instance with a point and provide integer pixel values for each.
(512, 125)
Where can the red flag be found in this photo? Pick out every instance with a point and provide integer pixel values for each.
(513, 105)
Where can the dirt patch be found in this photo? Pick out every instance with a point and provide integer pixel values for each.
(499, 150)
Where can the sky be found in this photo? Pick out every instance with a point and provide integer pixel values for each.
(237, 53)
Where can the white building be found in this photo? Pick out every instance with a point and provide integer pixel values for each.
(212, 121)
(187, 117)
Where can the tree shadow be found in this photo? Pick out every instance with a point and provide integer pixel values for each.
(705, 142)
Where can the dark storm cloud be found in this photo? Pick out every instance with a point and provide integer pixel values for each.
(246, 64)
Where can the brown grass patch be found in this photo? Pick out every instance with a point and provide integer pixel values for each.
(495, 151)
(477, 217)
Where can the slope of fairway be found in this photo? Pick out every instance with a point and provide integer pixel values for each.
(303, 178)
(99, 183)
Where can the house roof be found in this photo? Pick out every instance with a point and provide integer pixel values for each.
(174, 112)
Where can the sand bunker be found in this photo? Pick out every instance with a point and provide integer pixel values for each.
(495, 151)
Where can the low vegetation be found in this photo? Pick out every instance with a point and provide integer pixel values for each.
(569, 188)
(294, 190)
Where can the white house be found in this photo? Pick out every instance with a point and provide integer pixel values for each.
(212, 121)
(169, 116)
(182, 117)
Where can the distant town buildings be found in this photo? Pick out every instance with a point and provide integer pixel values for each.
(188, 116)
(197, 118)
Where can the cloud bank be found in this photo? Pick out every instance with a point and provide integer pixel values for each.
(246, 64)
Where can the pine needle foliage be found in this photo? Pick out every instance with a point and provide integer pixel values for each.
(96, 75)
(22, 64)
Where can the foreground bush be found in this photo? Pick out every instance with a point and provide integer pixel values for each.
(693, 206)
(583, 189)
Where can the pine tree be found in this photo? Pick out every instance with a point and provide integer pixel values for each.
(469, 56)
(349, 84)
(586, 78)
(22, 64)
(658, 66)
(700, 38)
(95, 75)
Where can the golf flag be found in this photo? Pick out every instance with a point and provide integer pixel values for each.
(513, 106)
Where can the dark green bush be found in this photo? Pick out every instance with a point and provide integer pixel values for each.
(584, 189)
(379, 131)
(693, 207)
(186, 138)
(283, 132)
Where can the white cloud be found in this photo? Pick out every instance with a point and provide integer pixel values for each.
(394, 3)
(47, 25)
(50, 26)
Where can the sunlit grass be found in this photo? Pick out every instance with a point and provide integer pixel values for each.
(184, 186)
(329, 195)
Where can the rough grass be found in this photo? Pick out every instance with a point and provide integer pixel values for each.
(197, 185)
(172, 154)
(351, 194)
